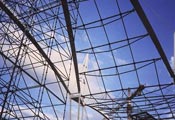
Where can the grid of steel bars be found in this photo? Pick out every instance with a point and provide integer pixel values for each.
(42, 43)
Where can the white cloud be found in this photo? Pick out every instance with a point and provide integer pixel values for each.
(82, 36)
(94, 82)
(34, 61)
(120, 61)
(62, 38)
(172, 62)
(25, 111)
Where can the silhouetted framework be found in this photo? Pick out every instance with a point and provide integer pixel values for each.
(125, 73)
(142, 116)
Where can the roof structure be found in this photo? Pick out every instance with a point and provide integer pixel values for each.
(142, 116)
(57, 56)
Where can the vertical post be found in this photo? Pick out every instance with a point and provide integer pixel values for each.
(70, 112)
(86, 114)
(79, 97)
(82, 115)
(129, 107)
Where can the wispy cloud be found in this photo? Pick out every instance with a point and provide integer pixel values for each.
(35, 65)
(21, 111)
(121, 61)
(172, 62)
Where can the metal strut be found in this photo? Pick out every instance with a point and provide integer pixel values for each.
(30, 76)
(153, 36)
(72, 41)
(11, 78)
(32, 39)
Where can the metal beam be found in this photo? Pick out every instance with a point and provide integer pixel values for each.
(152, 34)
(131, 96)
(72, 41)
(76, 99)
(11, 79)
(137, 92)
(30, 76)
(32, 39)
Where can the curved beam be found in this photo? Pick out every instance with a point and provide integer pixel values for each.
(71, 38)
(152, 34)
(33, 40)
(76, 99)
(2, 54)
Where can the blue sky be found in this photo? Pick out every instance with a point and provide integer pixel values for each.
(160, 15)
(162, 19)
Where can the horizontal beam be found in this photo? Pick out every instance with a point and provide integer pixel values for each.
(32, 78)
(32, 39)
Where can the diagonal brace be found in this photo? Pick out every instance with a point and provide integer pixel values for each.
(152, 34)
(32, 39)
(32, 78)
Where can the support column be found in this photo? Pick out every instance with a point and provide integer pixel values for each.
(129, 106)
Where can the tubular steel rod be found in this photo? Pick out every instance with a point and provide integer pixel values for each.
(30, 76)
(11, 78)
(32, 39)
(71, 38)
(152, 34)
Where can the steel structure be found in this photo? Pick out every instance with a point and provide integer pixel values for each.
(42, 43)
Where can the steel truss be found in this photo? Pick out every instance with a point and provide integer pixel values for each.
(42, 42)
